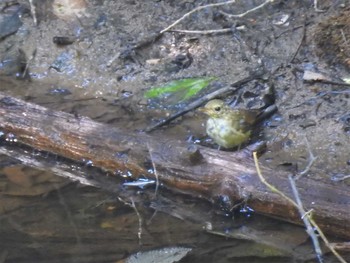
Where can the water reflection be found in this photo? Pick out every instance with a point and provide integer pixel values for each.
(52, 219)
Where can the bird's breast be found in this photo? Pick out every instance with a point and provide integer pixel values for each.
(225, 133)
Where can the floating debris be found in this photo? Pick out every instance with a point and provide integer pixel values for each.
(163, 255)
(141, 183)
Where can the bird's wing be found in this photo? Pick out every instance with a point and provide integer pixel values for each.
(243, 120)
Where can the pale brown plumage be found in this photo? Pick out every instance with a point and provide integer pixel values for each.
(226, 126)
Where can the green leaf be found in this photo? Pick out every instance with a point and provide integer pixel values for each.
(188, 87)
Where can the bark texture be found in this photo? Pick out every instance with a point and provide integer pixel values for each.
(222, 177)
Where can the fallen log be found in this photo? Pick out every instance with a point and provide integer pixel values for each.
(221, 177)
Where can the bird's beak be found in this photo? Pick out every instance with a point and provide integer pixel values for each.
(203, 110)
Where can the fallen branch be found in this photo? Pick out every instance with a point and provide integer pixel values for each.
(213, 176)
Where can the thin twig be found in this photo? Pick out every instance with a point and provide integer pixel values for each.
(248, 11)
(208, 32)
(234, 87)
(193, 11)
(299, 45)
(312, 221)
(320, 95)
(308, 213)
(289, 30)
(25, 71)
(149, 39)
(270, 186)
(133, 206)
(316, 7)
(154, 170)
(344, 37)
(190, 107)
(325, 240)
(204, 32)
(344, 246)
(69, 214)
(340, 178)
(110, 62)
(33, 12)
(305, 217)
(312, 159)
(139, 232)
(324, 81)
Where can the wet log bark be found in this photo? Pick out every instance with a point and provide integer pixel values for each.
(221, 177)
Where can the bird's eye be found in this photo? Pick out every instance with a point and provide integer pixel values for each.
(217, 108)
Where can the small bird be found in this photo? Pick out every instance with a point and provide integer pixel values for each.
(229, 127)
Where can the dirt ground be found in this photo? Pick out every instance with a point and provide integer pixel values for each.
(100, 75)
(106, 69)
